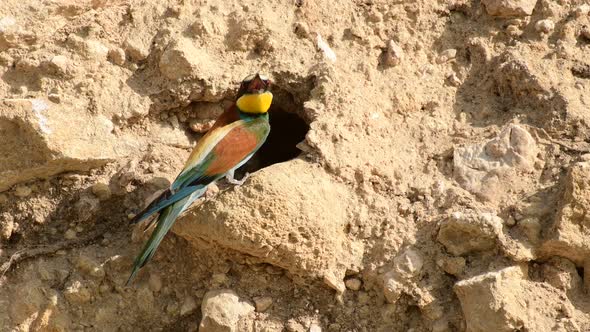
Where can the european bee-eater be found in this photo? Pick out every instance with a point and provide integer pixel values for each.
(236, 135)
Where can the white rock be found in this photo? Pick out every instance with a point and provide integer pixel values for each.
(325, 48)
(394, 54)
(392, 288)
(221, 311)
(408, 264)
(545, 26)
(476, 167)
(96, 50)
(7, 23)
(509, 8)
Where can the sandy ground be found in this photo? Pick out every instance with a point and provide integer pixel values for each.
(429, 168)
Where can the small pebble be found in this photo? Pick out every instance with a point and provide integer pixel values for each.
(353, 284)
(189, 305)
(60, 63)
(155, 282)
(585, 32)
(453, 265)
(22, 191)
(101, 191)
(70, 234)
(117, 56)
(173, 119)
(104, 288)
(54, 97)
(219, 278)
(510, 221)
(545, 26)
(393, 55)
(301, 29)
(200, 126)
(262, 303)
(513, 30)
(335, 283)
(447, 55)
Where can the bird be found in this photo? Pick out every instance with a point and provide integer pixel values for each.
(232, 140)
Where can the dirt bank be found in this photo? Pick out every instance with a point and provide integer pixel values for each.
(428, 170)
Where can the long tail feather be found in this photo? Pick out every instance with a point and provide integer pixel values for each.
(165, 221)
(162, 201)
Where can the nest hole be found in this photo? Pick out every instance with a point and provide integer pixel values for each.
(287, 129)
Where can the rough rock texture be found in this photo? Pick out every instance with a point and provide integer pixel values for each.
(44, 139)
(427, 169)
(509, 8)
(505, 300)
(465, 233)
(569, 235)
(307, 238)
(482, 168)
(222, 310)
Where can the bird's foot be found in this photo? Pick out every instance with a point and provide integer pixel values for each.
(230, 178)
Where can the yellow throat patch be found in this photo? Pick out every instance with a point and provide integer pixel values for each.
(255, 102)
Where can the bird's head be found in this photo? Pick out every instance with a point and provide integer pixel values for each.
(253, 95)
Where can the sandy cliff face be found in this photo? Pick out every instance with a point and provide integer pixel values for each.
(427, 171)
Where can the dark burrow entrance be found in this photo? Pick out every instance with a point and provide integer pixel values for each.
(287, 129)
